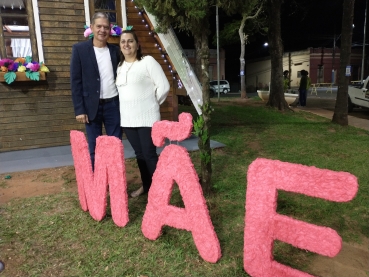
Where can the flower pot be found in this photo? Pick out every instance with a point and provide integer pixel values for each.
(21, 76)
(289, 97)
(114, 40)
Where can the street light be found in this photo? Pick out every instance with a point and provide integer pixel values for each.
(218, 70)
(362, 61)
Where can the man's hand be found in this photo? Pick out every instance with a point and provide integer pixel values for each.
(82, 118)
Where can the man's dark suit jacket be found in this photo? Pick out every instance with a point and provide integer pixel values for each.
(85, 77)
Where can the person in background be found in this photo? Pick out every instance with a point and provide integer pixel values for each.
(142, 87)
(93, 69)
(286, 80)
(302, 88)
(308, 84)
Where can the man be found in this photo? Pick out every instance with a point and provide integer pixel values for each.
(93, 70)
(286, 81)
(302, 88)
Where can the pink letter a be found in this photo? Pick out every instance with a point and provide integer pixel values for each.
(109, 169)
(175, 164)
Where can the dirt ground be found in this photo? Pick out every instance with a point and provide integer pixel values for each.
(49, 181)
(352, 261)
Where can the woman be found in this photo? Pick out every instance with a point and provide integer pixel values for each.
(142, 87)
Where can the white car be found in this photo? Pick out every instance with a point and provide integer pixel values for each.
(358, 96)
(223, 86)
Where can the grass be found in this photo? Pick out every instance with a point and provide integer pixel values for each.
(51, 235)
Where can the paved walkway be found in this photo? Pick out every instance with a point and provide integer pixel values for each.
(51, 157)
(321, 104)
(352, 120)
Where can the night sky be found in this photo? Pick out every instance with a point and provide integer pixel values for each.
(313, 24)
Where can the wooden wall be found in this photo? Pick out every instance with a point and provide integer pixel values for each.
(40, 114)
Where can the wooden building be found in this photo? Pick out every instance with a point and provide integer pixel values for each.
(36, 114)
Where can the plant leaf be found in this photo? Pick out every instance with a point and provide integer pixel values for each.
(9, 77)
(28, 59)
(35, 76)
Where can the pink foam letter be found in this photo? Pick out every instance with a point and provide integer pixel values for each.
(173, 130)
(175, 165)
(263, 225)
(109, 169)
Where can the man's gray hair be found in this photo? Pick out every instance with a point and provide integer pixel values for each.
(99, 15)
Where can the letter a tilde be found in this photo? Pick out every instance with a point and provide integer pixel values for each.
(175, 165)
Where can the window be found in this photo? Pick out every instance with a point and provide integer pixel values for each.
(320, 73)
(111, 7)
(20, 30)
(16, 39)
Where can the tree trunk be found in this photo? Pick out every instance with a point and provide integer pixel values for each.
(276, 95)
(204, 121)
(198, 70)
(340, 110)
(243, 38)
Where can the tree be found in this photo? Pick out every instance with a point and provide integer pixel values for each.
(340, 110)
(276, 95)
(243, 39)
(249, 11)
(191, 16)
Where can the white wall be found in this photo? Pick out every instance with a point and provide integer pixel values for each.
(300, 60)
(258, 71)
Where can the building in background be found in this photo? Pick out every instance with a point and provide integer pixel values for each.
(321, 63)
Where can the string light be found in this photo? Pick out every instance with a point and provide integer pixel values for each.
(163, 54)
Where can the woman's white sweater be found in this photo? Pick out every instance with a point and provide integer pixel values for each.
(142, 87)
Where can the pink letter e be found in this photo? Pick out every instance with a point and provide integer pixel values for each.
(263, 225)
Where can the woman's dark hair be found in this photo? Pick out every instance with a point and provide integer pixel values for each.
(139, 53)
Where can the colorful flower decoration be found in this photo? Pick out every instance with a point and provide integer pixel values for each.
(115, 31)
(31, 68)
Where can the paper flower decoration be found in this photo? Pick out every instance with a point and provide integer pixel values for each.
(31, 68)
(115, 31)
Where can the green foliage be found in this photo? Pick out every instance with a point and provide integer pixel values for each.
(28, 59)
(35, 76)
(239, 9)
(9, 77)
(201, 130)
(184, 15)
(198, 125)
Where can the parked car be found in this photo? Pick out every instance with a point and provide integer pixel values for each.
(224, 86)
(358, 96)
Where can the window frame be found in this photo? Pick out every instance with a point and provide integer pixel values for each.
(120, 10)
(34, 32)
